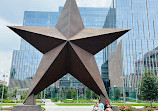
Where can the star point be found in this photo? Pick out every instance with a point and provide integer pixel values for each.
(69, 19)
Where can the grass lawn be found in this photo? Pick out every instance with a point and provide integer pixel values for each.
(42, 104)
(9, 104)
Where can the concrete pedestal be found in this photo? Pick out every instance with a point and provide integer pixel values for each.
(115, 108)
(27, 108)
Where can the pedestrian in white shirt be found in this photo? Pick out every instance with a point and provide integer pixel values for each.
(96, 107)
(100, 106)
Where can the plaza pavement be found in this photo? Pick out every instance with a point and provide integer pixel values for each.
(50, 106)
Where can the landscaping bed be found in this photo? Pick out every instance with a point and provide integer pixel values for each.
(135, 104)
(6, 109)
(130, 108)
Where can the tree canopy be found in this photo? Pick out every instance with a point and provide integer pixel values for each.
(5, 91)
(149, 86)
(117, 94)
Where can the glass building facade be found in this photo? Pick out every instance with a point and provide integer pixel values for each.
(26, 60)
(148, 60)
(140, 44)
(109, 23)
(140, 16)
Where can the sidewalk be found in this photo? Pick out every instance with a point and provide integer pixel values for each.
(50, 106)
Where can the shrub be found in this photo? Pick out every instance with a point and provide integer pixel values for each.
(140, 101)
(8, 101)
(79, 101)
(148, 108)
(43, 109)
(127, 108)
(132, 101)
(38, 101)
(122, 108)
(116, 102)
(55, 100)
(10, 108)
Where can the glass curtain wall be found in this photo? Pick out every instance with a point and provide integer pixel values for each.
(139, 44)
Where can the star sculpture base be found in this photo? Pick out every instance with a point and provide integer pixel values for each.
(27, 108)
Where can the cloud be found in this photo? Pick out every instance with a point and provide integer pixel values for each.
(8, 42)
(13, 10)
(5, 64)
(8, 39)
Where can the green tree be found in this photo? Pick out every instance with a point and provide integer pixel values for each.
(74, 94)
(149, 86)
(5, 91)
(69, 93)
(24, 95)
(117, 94)
(14, 92)
(88, 94)
(95, 96)
(61, 94)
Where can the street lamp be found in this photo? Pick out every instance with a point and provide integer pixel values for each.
(124, 98)
(77, 95)
(85, 94)
(44, 95)
(91, 94)
(136, 95)
(3, 89)
(124, 95)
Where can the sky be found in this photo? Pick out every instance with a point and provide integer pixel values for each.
(11, 13)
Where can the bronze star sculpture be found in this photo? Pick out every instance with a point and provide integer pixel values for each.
(67, 48)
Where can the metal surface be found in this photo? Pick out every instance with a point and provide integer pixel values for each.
(116, 67)
(31, 100)
(68, 48)
(70, 22)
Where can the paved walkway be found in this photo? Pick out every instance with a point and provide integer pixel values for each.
(50, 106)
(53, 107)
